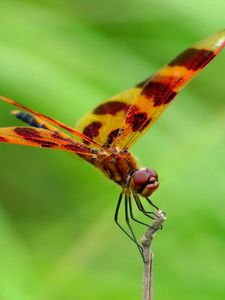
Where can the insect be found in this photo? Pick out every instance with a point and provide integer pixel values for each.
(104, 135)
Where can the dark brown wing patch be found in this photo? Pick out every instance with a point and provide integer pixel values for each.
(110, 107)
(112, 136)
(2, 139)
(92, 130)
(136, 118)
(158, 90)
(27, 132)
(193, 59)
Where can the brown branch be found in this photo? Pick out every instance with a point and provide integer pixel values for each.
(148, 256)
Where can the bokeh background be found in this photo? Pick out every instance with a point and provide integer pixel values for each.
(58, 240)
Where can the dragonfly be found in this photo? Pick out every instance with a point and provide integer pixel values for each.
(104, 135)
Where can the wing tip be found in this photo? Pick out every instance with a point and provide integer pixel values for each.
(214, 42)
(220, 41)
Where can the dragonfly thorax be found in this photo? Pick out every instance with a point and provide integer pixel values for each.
(144, 181)
(122, 168)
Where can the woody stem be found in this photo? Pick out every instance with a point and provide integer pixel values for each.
(148, 256)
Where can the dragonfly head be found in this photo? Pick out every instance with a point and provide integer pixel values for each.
(144, 181)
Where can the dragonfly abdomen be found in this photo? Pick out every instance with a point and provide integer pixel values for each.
(29, 119)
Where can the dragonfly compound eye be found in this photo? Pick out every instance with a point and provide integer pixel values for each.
(144, 182)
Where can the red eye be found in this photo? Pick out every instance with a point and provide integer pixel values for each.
(144, 181)
(141, 177)
(151, 172)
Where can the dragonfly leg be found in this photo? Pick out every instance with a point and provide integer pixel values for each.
(151, 203)
(131, 212)
(140, 249)
(132, 235)
(116, 216)
(148, 214)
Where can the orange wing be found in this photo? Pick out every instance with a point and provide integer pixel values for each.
(157, 92)
(119, 121)
(43, 138)
(57, 123)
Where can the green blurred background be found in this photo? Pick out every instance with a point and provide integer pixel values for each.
(58, 240)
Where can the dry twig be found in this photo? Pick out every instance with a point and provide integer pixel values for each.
(148, 256)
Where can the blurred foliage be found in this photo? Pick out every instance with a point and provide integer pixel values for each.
(58, 240)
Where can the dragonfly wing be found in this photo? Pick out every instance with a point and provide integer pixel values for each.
(37, 122)
(157, 92)
(104, 122)
(42, 138)
(74, 132)
(120, 120)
